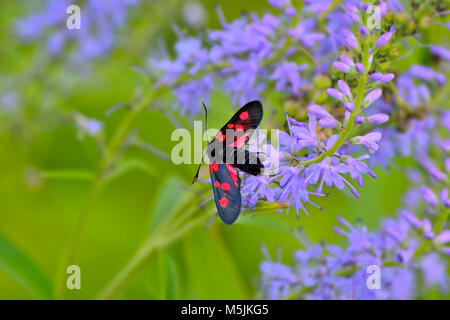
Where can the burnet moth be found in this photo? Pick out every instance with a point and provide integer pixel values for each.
(228, 157)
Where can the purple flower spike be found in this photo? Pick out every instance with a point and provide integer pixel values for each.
(444, 197)
(341, 66)
(376, 76)
(382, 78)
(446, 251)
(411, 219)
(440, 52)
(360, 67)
(443, 237)
(422, 72)
(279, 3)
(440, 78)
(356, 168)
(379, 118)
(350, 39)
(372, 96)
(364, 30)
(383, 39)
(319, 111)
(347, 60)
(360, 119)
(350, 106)
(290, 11)
(387, 77)
(327, 123)
(344, 88)
(335, 93)
(371, 141)
(428, 196)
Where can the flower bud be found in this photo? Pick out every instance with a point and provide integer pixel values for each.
(344, 88)
(364, 30)
(378, 118)
(360, 67)
(371, 97)
(327, 122)
(335, 93)
(428, 196)
(350, 106)
(341, 66)
(319, 111)
(383, 39)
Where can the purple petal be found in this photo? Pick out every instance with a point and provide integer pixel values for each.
(335, 93)
(341, 66)
(379, 118)
(383, 39)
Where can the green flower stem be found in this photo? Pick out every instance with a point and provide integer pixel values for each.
(105, 163)
(156, 241)
(124, 128)
(296, 294)
(358, 102)
(442, 218)
(69, 249)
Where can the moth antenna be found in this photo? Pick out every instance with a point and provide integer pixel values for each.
(204, 129)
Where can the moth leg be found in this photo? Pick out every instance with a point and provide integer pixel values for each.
(196, 175)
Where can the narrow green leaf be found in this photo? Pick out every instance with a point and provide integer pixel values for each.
(211, 271)
(167, 277)
(172, 279)
(171, 196)
(20, 267)
(127, 165)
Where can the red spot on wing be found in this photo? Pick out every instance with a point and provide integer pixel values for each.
(233, 173)
(244, 115)
(239, 127)
(240, 141)
(223, 202)
(230, 126)
(225, 186)
(220, 136)
(217, 184)
(213, 167)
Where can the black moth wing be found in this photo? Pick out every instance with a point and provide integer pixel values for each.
(247, 117)
(226, 185)
(247, 161)
(254, 111)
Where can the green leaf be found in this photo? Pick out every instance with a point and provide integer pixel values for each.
(211, 269)
(68, 174)
(167, 276)
(20, 267)
(172, 195)
(126, 165)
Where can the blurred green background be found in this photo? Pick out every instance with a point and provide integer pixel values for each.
(43, 187)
